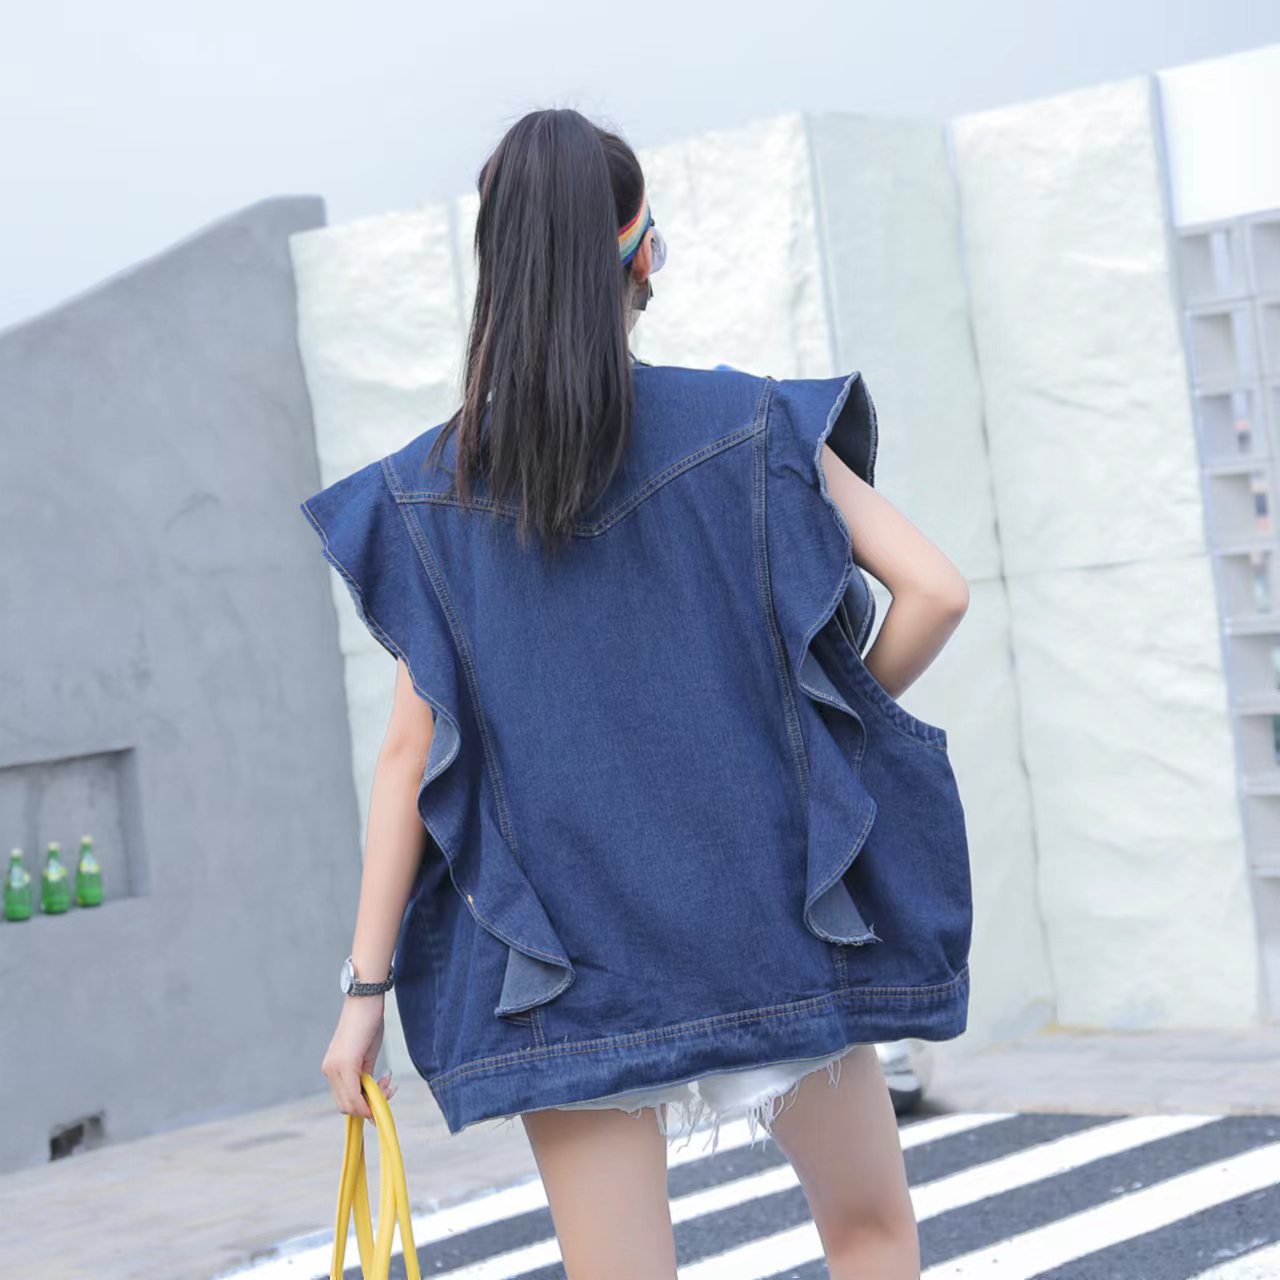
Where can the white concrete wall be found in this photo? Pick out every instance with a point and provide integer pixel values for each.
(1125, 732)
(888, 216)
(1055, 464)
(1222, 129)
(381, 333)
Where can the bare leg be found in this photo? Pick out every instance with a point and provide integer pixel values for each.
(605, 1174)
(842, 1140)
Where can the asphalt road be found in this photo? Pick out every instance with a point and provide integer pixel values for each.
(997, 1196)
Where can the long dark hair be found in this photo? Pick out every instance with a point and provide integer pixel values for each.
(548, 368)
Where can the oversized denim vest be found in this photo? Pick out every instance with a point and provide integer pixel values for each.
(676, 826)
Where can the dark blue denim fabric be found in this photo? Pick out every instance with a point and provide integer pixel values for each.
(676, 824)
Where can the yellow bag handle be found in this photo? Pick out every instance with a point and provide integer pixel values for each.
(353, 1193)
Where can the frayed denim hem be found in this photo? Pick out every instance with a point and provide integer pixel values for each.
(698, 1114)
(683, 1112)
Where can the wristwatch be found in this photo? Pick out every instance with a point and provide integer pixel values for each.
(351, 987)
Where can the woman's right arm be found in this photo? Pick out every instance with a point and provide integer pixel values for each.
(930, 595)
(395, 842)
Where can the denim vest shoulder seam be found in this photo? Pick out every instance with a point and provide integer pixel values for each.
(392, 478)
(454, 622)
(850, 564)
(677, 468)
(491, 770)
(451, 855)
(764, 583)
(589, 529)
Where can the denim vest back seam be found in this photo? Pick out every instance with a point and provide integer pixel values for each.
(589, 529)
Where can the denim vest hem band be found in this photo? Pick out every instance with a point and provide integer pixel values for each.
(494, 1088)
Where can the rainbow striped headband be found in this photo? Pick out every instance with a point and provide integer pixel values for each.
(630, 236)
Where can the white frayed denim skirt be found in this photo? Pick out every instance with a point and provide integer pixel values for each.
(758, 1094)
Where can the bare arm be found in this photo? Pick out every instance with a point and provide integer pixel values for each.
(396, 838)
(930, 595)
(394, 846)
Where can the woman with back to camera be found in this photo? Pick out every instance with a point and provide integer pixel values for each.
(648, 832)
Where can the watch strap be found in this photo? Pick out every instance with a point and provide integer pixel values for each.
(359, 988)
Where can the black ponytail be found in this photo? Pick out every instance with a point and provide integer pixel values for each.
(548, 395)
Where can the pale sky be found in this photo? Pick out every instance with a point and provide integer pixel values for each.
(125, 127)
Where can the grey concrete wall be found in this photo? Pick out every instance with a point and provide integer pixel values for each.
(170, 681)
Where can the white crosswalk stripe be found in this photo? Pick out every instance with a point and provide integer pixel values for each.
(687, 1208)
(699, 1203)
(529, 1195)
(1034, 1252)
(1064, 1204)
(760, 1259)
(1262, 1265)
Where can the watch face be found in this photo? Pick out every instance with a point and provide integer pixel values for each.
(348, 975)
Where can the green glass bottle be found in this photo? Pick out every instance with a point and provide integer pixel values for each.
(55, 883)
(88, 876)
(17, 889)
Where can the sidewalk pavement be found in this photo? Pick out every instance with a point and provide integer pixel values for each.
(1118, 1073)
(195, 1203)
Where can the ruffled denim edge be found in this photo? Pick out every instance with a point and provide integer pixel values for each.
(841, 811)
(361, 515)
